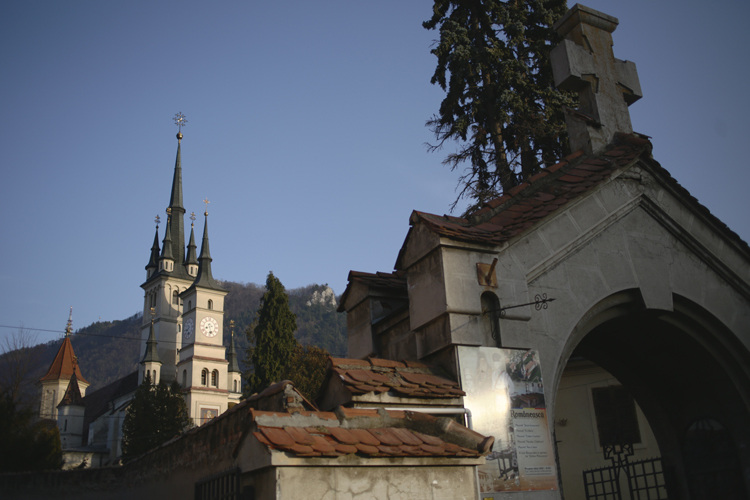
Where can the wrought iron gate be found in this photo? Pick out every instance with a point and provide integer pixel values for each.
(645, 478)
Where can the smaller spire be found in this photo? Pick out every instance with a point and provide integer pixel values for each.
(154, 259)
(232, 354)
(191, 258)
(205, 279)
(166, 251)
(152, 354)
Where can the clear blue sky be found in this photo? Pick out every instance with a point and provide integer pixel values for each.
(305, 130)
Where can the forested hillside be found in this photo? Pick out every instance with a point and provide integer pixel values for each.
(108, 350)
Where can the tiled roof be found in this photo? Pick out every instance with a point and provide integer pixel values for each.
(395, 280)
(544, 193)
(97, 402)
(369, 433)
(409, 379)
(64, 364)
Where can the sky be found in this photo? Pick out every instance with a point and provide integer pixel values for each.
(306, 131)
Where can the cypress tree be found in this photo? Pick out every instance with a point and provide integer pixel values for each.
(271, 338)
(500, 103)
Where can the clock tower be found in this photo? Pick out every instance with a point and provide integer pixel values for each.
(202, 367)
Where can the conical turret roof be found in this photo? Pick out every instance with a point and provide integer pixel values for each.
(154, 260)
(72, 395)
(232, 357)
(65, 364)
(191, 257)
(205, 279)
(152, 354)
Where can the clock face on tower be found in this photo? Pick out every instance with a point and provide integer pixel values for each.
(209, 327)
(188, 328)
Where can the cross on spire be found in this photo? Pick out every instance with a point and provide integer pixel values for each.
(206, 202)
(180, 121)
(584, 62)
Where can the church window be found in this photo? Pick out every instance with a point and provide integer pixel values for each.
(235, 386)
(184, 378)
(210, 304)
(65, 428)
(179, 328)
(153, 376)
(215, 378)
(190, 304)
(204, 377)
(491, 315)
(616, 417)
(175, 298)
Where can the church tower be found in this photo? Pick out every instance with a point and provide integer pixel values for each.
(54, 384)
(167, 276)
(202, 368)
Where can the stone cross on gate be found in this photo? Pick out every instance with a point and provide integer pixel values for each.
(606, 86)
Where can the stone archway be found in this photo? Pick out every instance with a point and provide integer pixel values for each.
(683, 368)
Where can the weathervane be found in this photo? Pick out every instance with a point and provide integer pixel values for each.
(206, 202)
(180, 121)
(192, 218)
(231, 326)
(169, 213)
(153, 313)
(157, 220)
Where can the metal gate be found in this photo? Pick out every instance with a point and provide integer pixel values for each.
(644, 478)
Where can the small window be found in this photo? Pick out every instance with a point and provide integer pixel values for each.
(210, 304)
(204, 377)
(153, 376)
(491, 315)
(215, 378)
(190, 304)
(175, 298)
(235, 386)
(66, 425)
(616, 417)
(184, 378)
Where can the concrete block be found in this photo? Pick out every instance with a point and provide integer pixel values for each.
(587, 213)
(560, 231)
(529, 251)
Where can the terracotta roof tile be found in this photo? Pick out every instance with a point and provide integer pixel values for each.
(406, 378)
(364, 437)
(300, 435)
(276, 436)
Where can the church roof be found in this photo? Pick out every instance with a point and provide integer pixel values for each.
(72, 395)
(64, 364)
(525, 205)
(97, 402)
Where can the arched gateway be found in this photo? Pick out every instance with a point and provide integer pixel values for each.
(640, 367)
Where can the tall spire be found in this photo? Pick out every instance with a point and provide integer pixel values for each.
(175, 200)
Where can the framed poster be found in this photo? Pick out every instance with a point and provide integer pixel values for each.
(505, 393)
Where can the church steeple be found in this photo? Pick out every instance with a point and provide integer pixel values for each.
(167, 260)
(175, 200)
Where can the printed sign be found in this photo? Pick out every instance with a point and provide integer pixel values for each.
(505, 394)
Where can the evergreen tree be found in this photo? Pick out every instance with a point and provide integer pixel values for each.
(307, 369)
(500, 103)
(271, 338)
(155, 415)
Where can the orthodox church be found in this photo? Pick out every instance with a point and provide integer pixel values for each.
(181, 339)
